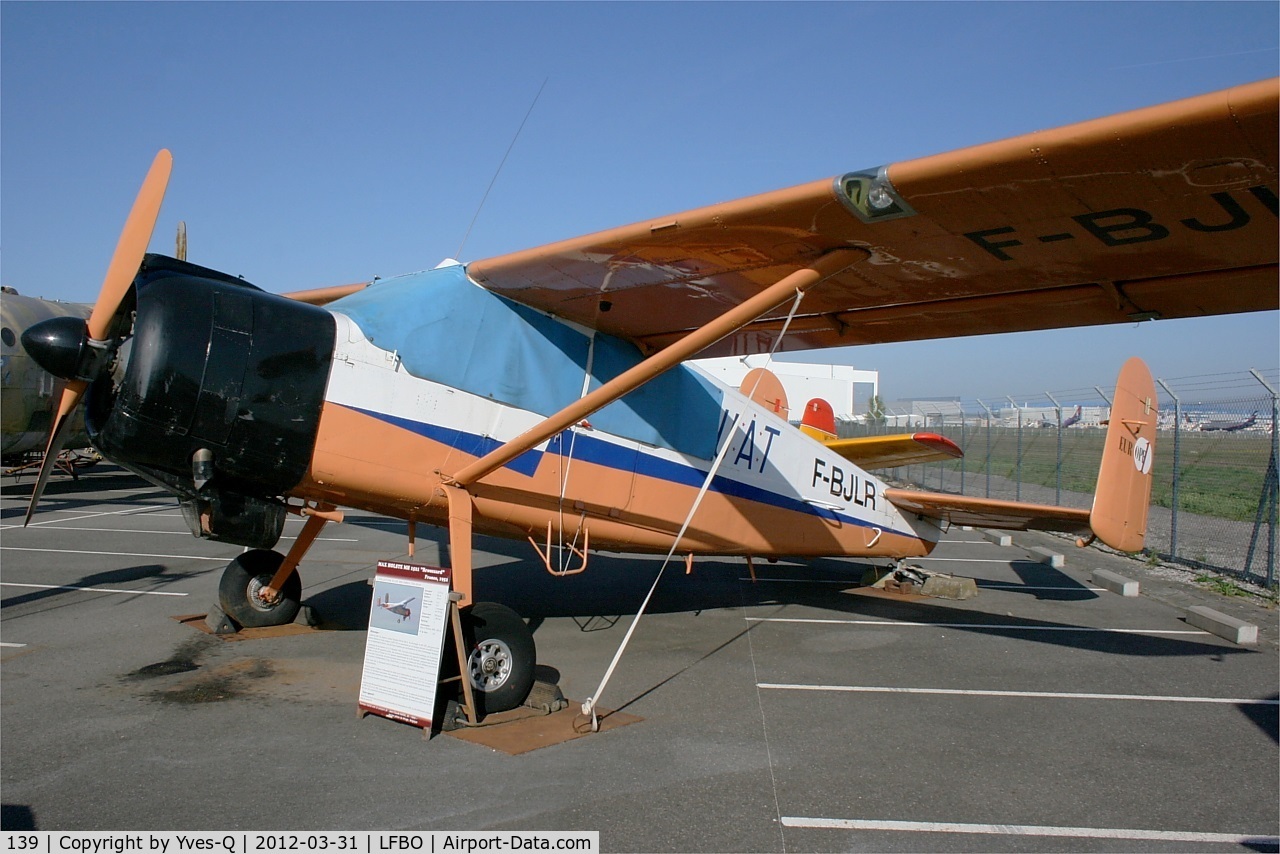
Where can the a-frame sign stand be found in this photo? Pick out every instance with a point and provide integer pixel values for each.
(413, 610)
(460, 647)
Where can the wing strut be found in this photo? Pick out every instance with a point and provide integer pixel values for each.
(693, 343)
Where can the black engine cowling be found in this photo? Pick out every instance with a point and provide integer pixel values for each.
(216, 366)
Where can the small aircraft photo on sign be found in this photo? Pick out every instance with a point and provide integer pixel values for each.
(396, 607)
(400, 609)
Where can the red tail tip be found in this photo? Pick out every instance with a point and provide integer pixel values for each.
(819, 415)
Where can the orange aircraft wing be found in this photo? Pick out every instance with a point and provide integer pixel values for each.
(991, 513)
(1168, 211)
(324, 296)
(872, 452)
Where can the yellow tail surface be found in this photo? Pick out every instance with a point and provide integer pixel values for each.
(1123, 497)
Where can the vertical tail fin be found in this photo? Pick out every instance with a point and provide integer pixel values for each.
(819, 420)
(1123, 497)
(764, 387)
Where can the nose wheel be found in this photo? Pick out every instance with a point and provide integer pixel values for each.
(501, 656)
(243, 596)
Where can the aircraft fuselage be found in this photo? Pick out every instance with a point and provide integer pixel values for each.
(430, 371)
(27, 390)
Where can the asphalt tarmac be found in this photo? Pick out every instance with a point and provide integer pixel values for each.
(790, 713)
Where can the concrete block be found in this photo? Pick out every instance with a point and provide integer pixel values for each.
(1236, 631)
(949, 587)
(1108, 580)
(1047, 556)
(1000, 538)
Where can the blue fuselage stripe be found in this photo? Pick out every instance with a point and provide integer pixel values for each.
(589, 449)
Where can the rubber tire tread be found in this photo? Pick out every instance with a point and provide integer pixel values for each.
(486, 620)
(233, 590)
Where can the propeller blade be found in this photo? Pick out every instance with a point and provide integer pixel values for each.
(125, 261)
(71, 394)
(131, 246)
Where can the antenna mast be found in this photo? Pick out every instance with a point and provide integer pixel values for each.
(494, 180)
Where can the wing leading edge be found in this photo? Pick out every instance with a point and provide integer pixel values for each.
(1168, 211)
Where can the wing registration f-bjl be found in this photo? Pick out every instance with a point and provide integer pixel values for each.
(541, 395)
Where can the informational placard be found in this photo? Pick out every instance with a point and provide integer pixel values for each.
(407, 622)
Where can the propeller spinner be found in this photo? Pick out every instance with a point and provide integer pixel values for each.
(77, 351)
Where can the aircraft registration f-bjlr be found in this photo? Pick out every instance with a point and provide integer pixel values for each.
(542, 394)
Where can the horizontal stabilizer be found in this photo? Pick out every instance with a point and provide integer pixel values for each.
(871, 452)
(990, 512)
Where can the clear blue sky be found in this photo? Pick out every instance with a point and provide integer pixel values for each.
(325, 143)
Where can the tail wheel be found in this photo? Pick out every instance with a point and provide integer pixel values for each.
(501, 656)
(241, 592)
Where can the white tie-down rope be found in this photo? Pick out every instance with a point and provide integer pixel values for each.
(567, 462)
(589, 707)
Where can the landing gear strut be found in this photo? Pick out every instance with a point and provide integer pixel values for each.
(261, 587)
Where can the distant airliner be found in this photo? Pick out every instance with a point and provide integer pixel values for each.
(1229, 426)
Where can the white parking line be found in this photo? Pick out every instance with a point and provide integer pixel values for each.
(984, 585)
(1050, 695)
(990, 626)
(78, 518)
(1029, 830)
(91, 589)
(110, 554)
(12, 645)
(171, 533)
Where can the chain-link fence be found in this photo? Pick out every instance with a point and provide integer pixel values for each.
(1213, 501)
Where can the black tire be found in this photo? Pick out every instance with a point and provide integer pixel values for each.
(242, 581)
(501, 656)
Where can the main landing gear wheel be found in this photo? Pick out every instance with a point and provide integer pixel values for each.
(240, 592)
(501, 656)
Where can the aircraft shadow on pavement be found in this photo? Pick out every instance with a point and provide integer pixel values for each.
(615, 585)
(344, 608)
(1265, 718)
(1046, 583)
(54, 597)
(17, 817)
